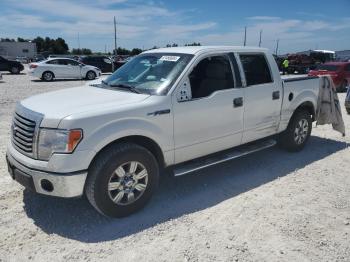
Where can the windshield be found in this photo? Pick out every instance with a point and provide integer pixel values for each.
(151, 73)
(328, 67)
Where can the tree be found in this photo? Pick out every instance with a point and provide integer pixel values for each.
(20, 39)
(7, 40)
(193, 44)
(53, 46)
(82, 51)
(135, 51)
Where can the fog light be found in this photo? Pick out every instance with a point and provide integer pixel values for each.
(46, 185)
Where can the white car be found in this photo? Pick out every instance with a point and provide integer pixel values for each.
(63, 68)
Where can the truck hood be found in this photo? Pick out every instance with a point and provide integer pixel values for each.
(59, 104)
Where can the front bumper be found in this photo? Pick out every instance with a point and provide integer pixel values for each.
(54, 184)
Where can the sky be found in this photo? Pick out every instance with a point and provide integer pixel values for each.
(299, 25)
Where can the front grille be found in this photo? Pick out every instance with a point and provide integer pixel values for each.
(23, 134)
(24, 131)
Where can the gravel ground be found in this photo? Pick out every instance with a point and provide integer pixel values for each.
(268, 206)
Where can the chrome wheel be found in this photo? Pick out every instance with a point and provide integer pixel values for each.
(301, 131)
(48, 76)
(91, 75)
(127, 183)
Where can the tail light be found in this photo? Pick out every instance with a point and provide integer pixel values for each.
(33, 66)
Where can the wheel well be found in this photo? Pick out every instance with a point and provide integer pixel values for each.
(47, 71)
(309, 107)
(143, 141)
(90, 71)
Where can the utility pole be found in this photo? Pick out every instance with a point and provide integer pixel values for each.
(78, 43)
(260, 38)
(115, 43)
(105, 49)
(277, 44)
(245, 36)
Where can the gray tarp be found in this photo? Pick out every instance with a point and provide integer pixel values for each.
(328, 106)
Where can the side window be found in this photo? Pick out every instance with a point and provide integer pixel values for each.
(210, 75)
(347, 68)
(52, 62)
(256, 69)
(68, 62)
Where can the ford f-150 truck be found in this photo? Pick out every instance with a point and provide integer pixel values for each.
(183, 109)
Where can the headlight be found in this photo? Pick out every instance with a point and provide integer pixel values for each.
(57, 141)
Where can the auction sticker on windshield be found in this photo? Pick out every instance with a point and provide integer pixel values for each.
(169, 58)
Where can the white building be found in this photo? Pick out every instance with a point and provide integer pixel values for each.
(13, 49)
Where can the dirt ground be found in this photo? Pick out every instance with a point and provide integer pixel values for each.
(268, 206)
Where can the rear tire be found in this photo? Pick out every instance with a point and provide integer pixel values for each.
(47, 76)
(348, 110)
(115, 188)
(90, 75)
(296, 135)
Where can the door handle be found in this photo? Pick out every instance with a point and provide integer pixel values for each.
(276, 95)
(238, 102)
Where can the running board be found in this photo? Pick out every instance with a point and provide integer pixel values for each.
(197, 164)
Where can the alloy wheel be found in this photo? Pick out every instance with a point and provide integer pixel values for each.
(127, 183)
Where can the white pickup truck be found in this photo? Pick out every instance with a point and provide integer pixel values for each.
(182, 108)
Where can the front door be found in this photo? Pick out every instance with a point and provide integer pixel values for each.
(263, 97)
(209, 117)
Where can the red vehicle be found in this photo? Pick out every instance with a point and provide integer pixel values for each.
(339, 71)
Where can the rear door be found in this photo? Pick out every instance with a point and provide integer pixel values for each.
(71, 68)
(3, 64)
(263, 96)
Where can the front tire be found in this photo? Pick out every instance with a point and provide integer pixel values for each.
(90, 75)
(122, 180)
(297, 133)
(348, 110)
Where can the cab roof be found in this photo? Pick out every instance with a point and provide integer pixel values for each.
(199, 49)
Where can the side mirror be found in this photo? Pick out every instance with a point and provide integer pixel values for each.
(184, 92)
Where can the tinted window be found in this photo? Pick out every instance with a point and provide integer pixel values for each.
(68, 62)
(347, 68)
(328, 67)
(210, 75)
(52, 62)
(256, 69)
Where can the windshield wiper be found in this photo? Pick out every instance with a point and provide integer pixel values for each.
(128, 87)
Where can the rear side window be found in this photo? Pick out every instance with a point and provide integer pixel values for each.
(347, 68)
(52, 62)
(256, 69)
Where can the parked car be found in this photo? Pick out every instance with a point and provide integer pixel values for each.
(102, 62)
(166, 108)
(22, 59)
(339, 71)
(38, 58)
(13, 67)
(63, 68)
